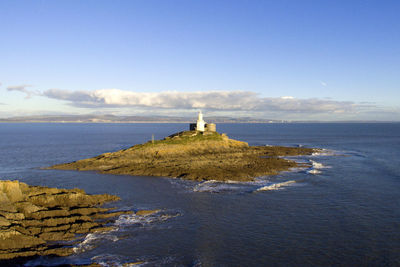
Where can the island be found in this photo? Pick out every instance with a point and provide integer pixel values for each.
(198, 154)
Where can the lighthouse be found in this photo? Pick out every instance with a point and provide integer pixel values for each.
(202, 126)
(200, 123)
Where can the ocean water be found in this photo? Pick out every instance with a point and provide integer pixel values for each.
(343, 211)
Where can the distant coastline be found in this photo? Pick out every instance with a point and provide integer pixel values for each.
(129, 119)
(153, 119)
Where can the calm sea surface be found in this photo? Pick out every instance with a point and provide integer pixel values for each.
(345, 211)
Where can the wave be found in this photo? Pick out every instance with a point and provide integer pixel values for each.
(317, 165)
(217, 186)
(314, 171)
(276, 186)
(324, 152)
(92, 240)
(116, 260)
(119, 260)
(147, 219)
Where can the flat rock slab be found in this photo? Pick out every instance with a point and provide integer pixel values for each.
(32, 216)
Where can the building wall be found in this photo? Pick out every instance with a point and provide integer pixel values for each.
(209, 127)
(192, 126)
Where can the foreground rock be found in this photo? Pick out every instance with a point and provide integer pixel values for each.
(34, 219)
(196, 156)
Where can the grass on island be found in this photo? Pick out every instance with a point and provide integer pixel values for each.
(196, 156)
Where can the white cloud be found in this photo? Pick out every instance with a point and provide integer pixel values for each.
(207, 100)
(22, 89)
(217, 103)
(323, 83)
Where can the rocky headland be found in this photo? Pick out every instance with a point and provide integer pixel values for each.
(36, 220)
(194, 155)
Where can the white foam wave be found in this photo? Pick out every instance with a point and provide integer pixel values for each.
(323, 152)
(314, 171)
(317, 165)
(132, 219)
(116, 260)
(235, 182)
(276, 186)
(92, 240)
(216, 187)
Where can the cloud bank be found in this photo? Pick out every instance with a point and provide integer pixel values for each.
(217, 103)
(206, 100)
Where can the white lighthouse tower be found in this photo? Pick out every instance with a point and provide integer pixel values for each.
(200, 123)
(202, 126)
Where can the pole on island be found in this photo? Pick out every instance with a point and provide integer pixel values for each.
(152, 138)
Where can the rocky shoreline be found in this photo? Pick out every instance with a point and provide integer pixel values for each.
(36, 220)
(194, 155)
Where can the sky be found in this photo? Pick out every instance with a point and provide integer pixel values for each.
(290, 60)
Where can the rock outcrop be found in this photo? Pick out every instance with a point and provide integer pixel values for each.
(196, 156)
(34, 219)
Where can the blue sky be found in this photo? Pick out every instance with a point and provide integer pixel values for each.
(327, 60)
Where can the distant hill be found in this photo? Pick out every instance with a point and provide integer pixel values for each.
(129, 119)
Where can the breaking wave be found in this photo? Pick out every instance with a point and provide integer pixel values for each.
(323, 152)
(123, 261)
(314, 171)
(316, 167)
(116, 260)
(276, 186)
(217, 186)
(143, 220)
(92, 240)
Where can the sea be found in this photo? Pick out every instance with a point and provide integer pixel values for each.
(343, 210)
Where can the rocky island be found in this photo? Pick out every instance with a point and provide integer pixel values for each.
(198, 154)
(194, 155)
